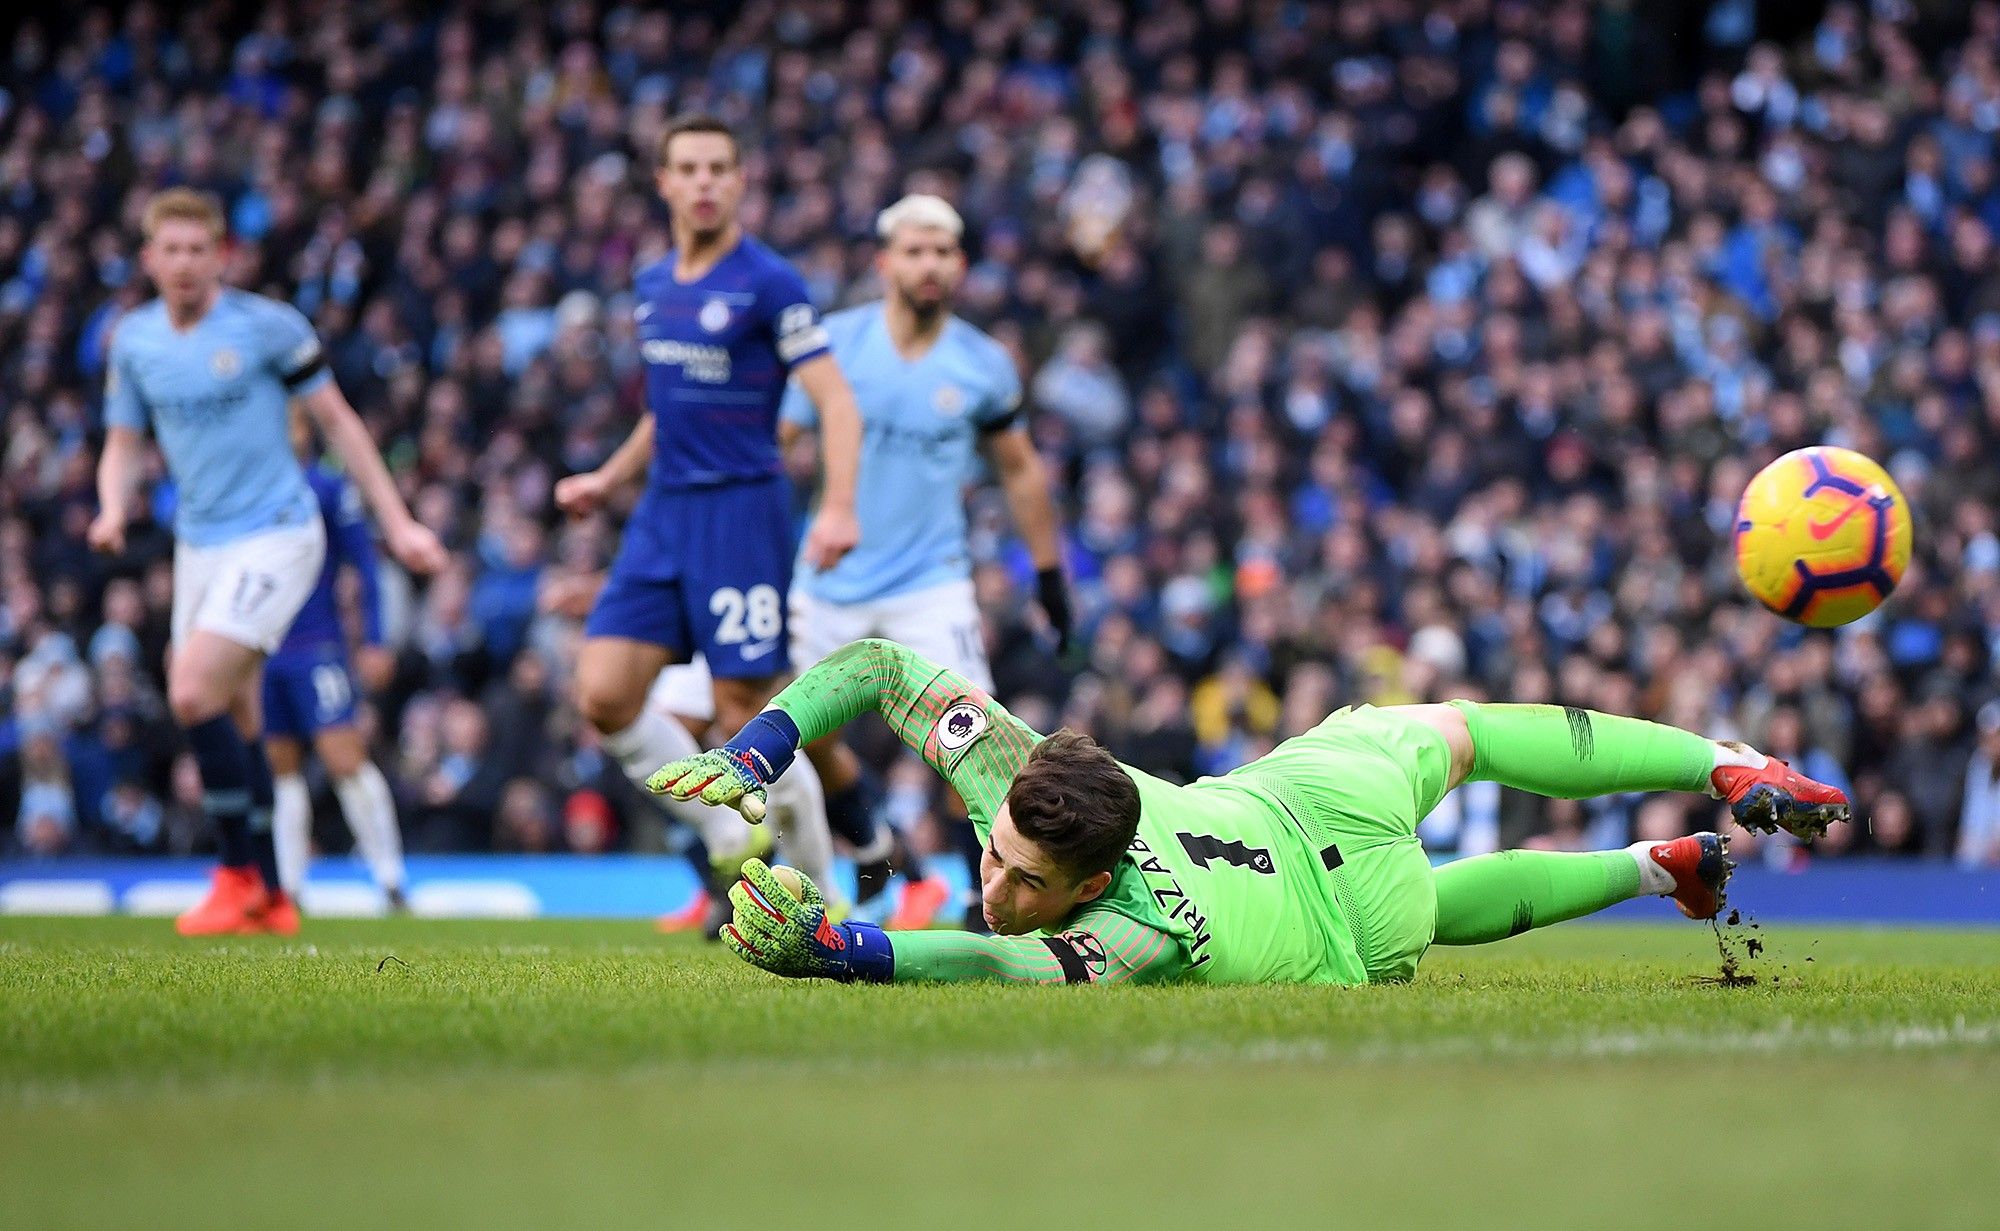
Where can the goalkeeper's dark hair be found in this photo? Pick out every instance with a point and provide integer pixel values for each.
(1076, 802)
(698, 123)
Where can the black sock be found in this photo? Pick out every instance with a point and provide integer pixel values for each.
(850, 812)
(225, 786)
(967, 838)
(263, 843)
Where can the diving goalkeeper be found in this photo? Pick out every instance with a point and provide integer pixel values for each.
(1300, 867)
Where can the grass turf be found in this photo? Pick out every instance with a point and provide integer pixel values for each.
(575, 1074)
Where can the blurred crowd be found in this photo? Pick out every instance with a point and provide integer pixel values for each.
(1385, 351)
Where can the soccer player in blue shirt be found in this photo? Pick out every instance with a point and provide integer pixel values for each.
(706, 557)
(309, 694)
(211, 370)
(934, 392)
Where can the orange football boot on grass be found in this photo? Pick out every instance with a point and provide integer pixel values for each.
(235, 906)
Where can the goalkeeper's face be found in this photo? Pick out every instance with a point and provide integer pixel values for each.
(922, 266)
(1021, 888)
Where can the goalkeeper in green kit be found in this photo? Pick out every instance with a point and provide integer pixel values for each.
(1300, 867)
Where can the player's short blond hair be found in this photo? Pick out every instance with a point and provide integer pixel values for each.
(919, 209)
(183, 205)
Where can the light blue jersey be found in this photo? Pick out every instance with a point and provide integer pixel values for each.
(216, 397)
(920, 425)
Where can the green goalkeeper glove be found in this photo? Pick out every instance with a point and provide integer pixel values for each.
(780, 925)
(720, 777)
(736, 773)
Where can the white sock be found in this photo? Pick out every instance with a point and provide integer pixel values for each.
(652, 741)
(798, 802)
(291, 829)
(1734, 752)
(370, 809)
(1653, 878)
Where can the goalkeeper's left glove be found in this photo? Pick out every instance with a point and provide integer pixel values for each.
(736, 773)
(789, 934)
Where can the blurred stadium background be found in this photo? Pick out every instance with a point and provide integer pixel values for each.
(1383, 351)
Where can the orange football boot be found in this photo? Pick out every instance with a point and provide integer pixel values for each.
(281, 917)
(235, 906)
(689, 918)
(918, 906)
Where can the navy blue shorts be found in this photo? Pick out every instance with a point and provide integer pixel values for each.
(306, 692)
(706, 571)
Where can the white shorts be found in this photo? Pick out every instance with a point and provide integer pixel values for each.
(248, 590)
(940, 622)
(684, 690)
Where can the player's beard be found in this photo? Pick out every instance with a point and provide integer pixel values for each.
(925, 310)
(708, 237)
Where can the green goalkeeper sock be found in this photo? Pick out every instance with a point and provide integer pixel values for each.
(1492, 897)
(1572, 753)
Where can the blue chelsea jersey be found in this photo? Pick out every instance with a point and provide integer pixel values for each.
(317, 628)
(717, 351)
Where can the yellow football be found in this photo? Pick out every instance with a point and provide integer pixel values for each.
(1822, 536)
(790, 879)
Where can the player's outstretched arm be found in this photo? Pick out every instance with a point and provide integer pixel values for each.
(1026, 483)
(835, 528)
(961, 732)
(780, 925)
(117, 476)
(411, 542)
(580, 495)
(1099, 947)
(118, 464)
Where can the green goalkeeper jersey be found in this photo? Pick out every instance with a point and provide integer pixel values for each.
(1222, 884)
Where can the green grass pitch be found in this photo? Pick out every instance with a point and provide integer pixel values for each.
(567, 1074)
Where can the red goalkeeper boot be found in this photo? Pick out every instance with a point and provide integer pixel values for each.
(1777, 797)
(1700, 865)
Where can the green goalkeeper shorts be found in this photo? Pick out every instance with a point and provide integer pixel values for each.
(1361, 780)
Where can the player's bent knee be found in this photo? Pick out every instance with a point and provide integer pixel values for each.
(607, 706)
(341, 751)
(193, 703)
(283, 754)
(738, 701)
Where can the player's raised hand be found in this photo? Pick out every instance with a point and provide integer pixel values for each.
(833, 534)
(718, 777)
(580, 495)
(107, 533)
(416, 548)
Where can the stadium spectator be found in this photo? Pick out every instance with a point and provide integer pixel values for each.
(47, 822)
(1979, 822)
(1383, 351)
